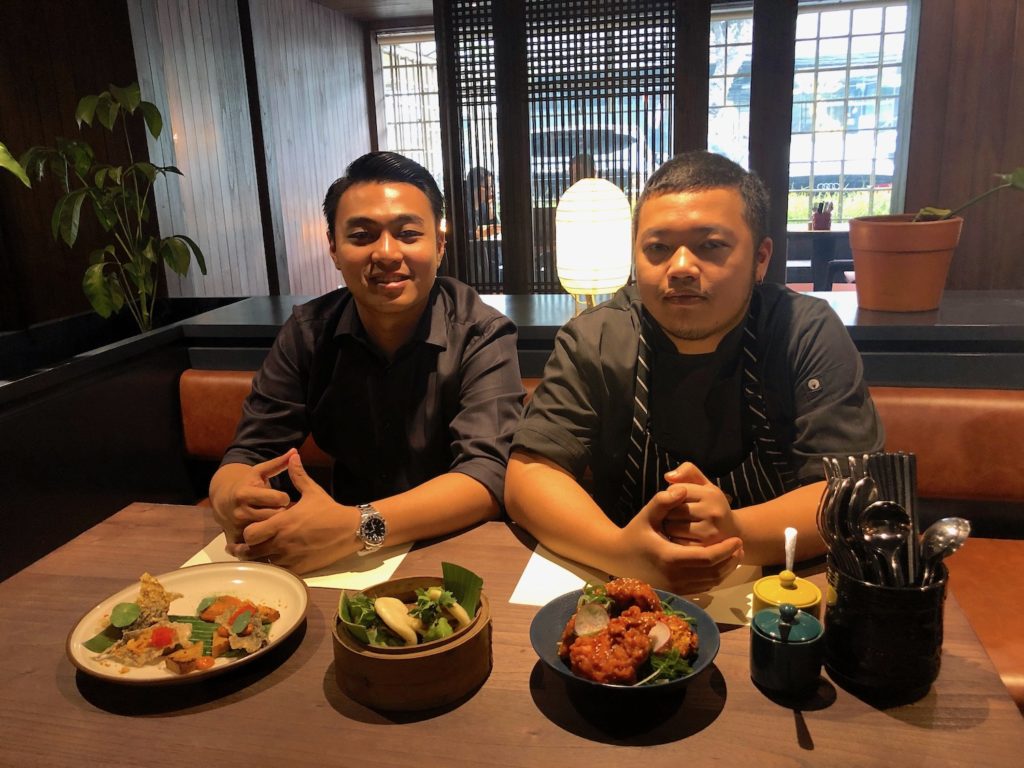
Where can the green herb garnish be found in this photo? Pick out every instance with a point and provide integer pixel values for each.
(124, 614)
(594, 593)
(202, 631)
(665, 668)
(668, 610)
(205, 603)
(241, 622)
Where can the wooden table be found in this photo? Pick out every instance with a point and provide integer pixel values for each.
(287, 709)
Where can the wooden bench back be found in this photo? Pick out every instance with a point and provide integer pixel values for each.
(969, 442)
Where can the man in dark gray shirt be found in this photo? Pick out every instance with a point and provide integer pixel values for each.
(409, 381)
(700, 400)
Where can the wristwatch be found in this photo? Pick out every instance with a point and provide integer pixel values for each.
(372, 528)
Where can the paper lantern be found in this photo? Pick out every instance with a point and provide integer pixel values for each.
(592, 239)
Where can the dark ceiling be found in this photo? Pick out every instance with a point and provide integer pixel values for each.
(381, 10)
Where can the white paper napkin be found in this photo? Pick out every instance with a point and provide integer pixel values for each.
(352, 572)
(548, 575)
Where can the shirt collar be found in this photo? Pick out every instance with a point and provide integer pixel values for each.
(432, 327)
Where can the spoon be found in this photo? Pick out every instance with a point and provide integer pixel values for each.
(885, 526)
(941, 539)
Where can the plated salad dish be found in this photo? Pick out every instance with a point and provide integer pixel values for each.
(188, 623)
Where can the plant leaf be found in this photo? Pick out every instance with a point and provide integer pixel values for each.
(148, 252)
(358, 631)
(932, 214)
(7, 161)
(148, 169)
(85, 110)
(176, 254)
(239, 624)
(106, 110)
(70, 216)
(33, 160)
(154, 121)
(196, 251)
(78, 153)
(128, 97)
(170, 169)
(97, 290)
(101, 206)
(99, 256)
(1016, 178)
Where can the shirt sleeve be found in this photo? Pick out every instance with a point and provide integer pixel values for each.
(834, 413)
(274, 413)
(561, 422)
(491, 402)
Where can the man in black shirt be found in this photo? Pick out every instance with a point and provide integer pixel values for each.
(700, 400)
(408, 380)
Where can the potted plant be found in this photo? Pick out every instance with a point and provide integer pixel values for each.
(902, 260)
(125, 272)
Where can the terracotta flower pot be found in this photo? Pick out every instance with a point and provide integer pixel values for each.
(901, 265)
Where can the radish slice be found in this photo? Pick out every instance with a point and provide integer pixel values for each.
(591, 619)
(660, 636)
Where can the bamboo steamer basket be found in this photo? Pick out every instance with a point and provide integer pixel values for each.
(410, 678)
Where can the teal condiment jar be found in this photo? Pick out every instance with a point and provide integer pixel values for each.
(785, 650)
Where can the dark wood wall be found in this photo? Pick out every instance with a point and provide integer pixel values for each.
(52, 53)
(968, 123)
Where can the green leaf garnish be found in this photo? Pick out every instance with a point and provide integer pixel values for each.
(124, 614)
(464, 585)
(241, 622)
(205, 603)
(103, 640)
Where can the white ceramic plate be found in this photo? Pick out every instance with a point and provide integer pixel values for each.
(259, 582)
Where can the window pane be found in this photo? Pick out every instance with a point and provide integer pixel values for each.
(860, 114)
(888, 111)
(803, 117)
(867, 20)
(803, 87)
(832, 52)
(807, 26)
(737, 59)
(716, 92)
(831, 85)
(865, 50)
(863, 82)
(896, 18)
(740, 31)
(806, 54)
(835, 23)
(893, 49)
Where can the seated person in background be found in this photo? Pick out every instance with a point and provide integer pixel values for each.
(701, 400)
(408, 380)
(581, 167)
(483, 211)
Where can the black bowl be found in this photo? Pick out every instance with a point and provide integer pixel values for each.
(549, 623)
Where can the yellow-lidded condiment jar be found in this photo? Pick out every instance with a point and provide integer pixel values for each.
(787, 587)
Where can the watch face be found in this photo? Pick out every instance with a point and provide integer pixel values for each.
(373, 530)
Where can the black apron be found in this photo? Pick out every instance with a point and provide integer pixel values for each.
(763, 475)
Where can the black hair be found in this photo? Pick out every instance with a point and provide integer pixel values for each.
(380, 168)
(702, 170)
(477, 176)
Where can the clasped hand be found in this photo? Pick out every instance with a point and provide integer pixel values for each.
(685, 537)
(312, 533)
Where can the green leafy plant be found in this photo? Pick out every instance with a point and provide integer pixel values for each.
(124, 272)
(1014, 179)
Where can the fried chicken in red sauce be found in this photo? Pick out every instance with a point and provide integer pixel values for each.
(627, 592)
(612, 655)
(616, 653)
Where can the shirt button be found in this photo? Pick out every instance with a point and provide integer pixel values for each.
(813, 384)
